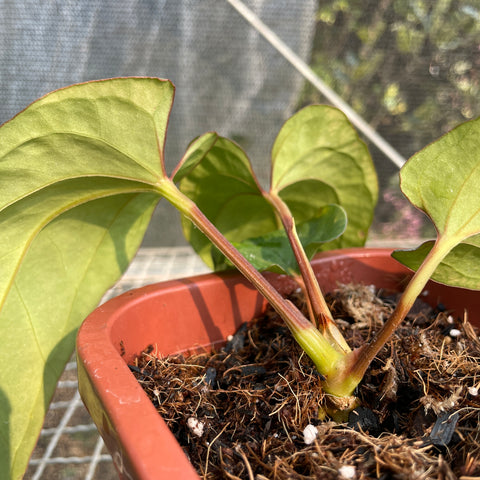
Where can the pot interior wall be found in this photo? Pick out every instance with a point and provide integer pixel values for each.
(188, 314)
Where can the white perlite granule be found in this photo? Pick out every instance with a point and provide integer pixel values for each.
(195, 426)
(310, 433)
(347, 471)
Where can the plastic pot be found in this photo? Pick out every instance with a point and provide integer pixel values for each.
(188, 314)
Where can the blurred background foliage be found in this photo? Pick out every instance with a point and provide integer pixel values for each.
(411, 68)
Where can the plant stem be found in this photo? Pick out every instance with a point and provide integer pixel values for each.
(322, 316)
(325, 356)
(319, 306)
(441, 248)
(299, 279)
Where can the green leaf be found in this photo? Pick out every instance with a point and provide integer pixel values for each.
(61, 279)
(273, 251)
(442, 180)
(319, 159)
(79, 174)
(225, 189)
(460, 268)
(195, 153)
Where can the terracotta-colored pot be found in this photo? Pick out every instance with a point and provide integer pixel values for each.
(181, 315)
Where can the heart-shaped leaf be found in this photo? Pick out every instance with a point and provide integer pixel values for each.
(317, 160)
(78, 183)
(442, 180)
(225, 189)
(273, 251)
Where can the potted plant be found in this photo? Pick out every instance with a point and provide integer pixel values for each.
(187, 314)
(82, 170)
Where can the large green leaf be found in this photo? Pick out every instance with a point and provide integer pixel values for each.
(61, 279)
(78, 183)
(442, 180)
(317, 160)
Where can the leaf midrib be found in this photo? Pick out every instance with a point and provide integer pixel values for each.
(50, 218)
(154, 174)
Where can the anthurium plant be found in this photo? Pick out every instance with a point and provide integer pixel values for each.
(82, 169)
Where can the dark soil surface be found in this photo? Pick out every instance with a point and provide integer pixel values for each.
(246, 411)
